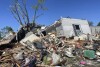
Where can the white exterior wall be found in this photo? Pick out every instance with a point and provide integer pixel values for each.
(68, 28)
(59, 31)
(95, 30)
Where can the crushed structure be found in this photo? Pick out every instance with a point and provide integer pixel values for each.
(69, 27)
(39, 49)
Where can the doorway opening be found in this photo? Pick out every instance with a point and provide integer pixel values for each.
(77, 29)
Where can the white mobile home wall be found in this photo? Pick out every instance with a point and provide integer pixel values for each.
(68, 30)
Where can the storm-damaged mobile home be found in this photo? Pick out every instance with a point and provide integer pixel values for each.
(69, 27)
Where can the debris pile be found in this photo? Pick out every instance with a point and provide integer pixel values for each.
(50, 51)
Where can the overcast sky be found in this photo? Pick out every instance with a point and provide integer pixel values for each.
(79, 9)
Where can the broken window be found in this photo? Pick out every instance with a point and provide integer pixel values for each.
(77, 27)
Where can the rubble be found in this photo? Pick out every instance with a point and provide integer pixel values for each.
(7, 39)
(51, 51)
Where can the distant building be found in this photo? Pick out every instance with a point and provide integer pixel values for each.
(69, 27)
(95, 29)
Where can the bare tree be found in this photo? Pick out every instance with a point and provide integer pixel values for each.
(19, 11)
(38, 6)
